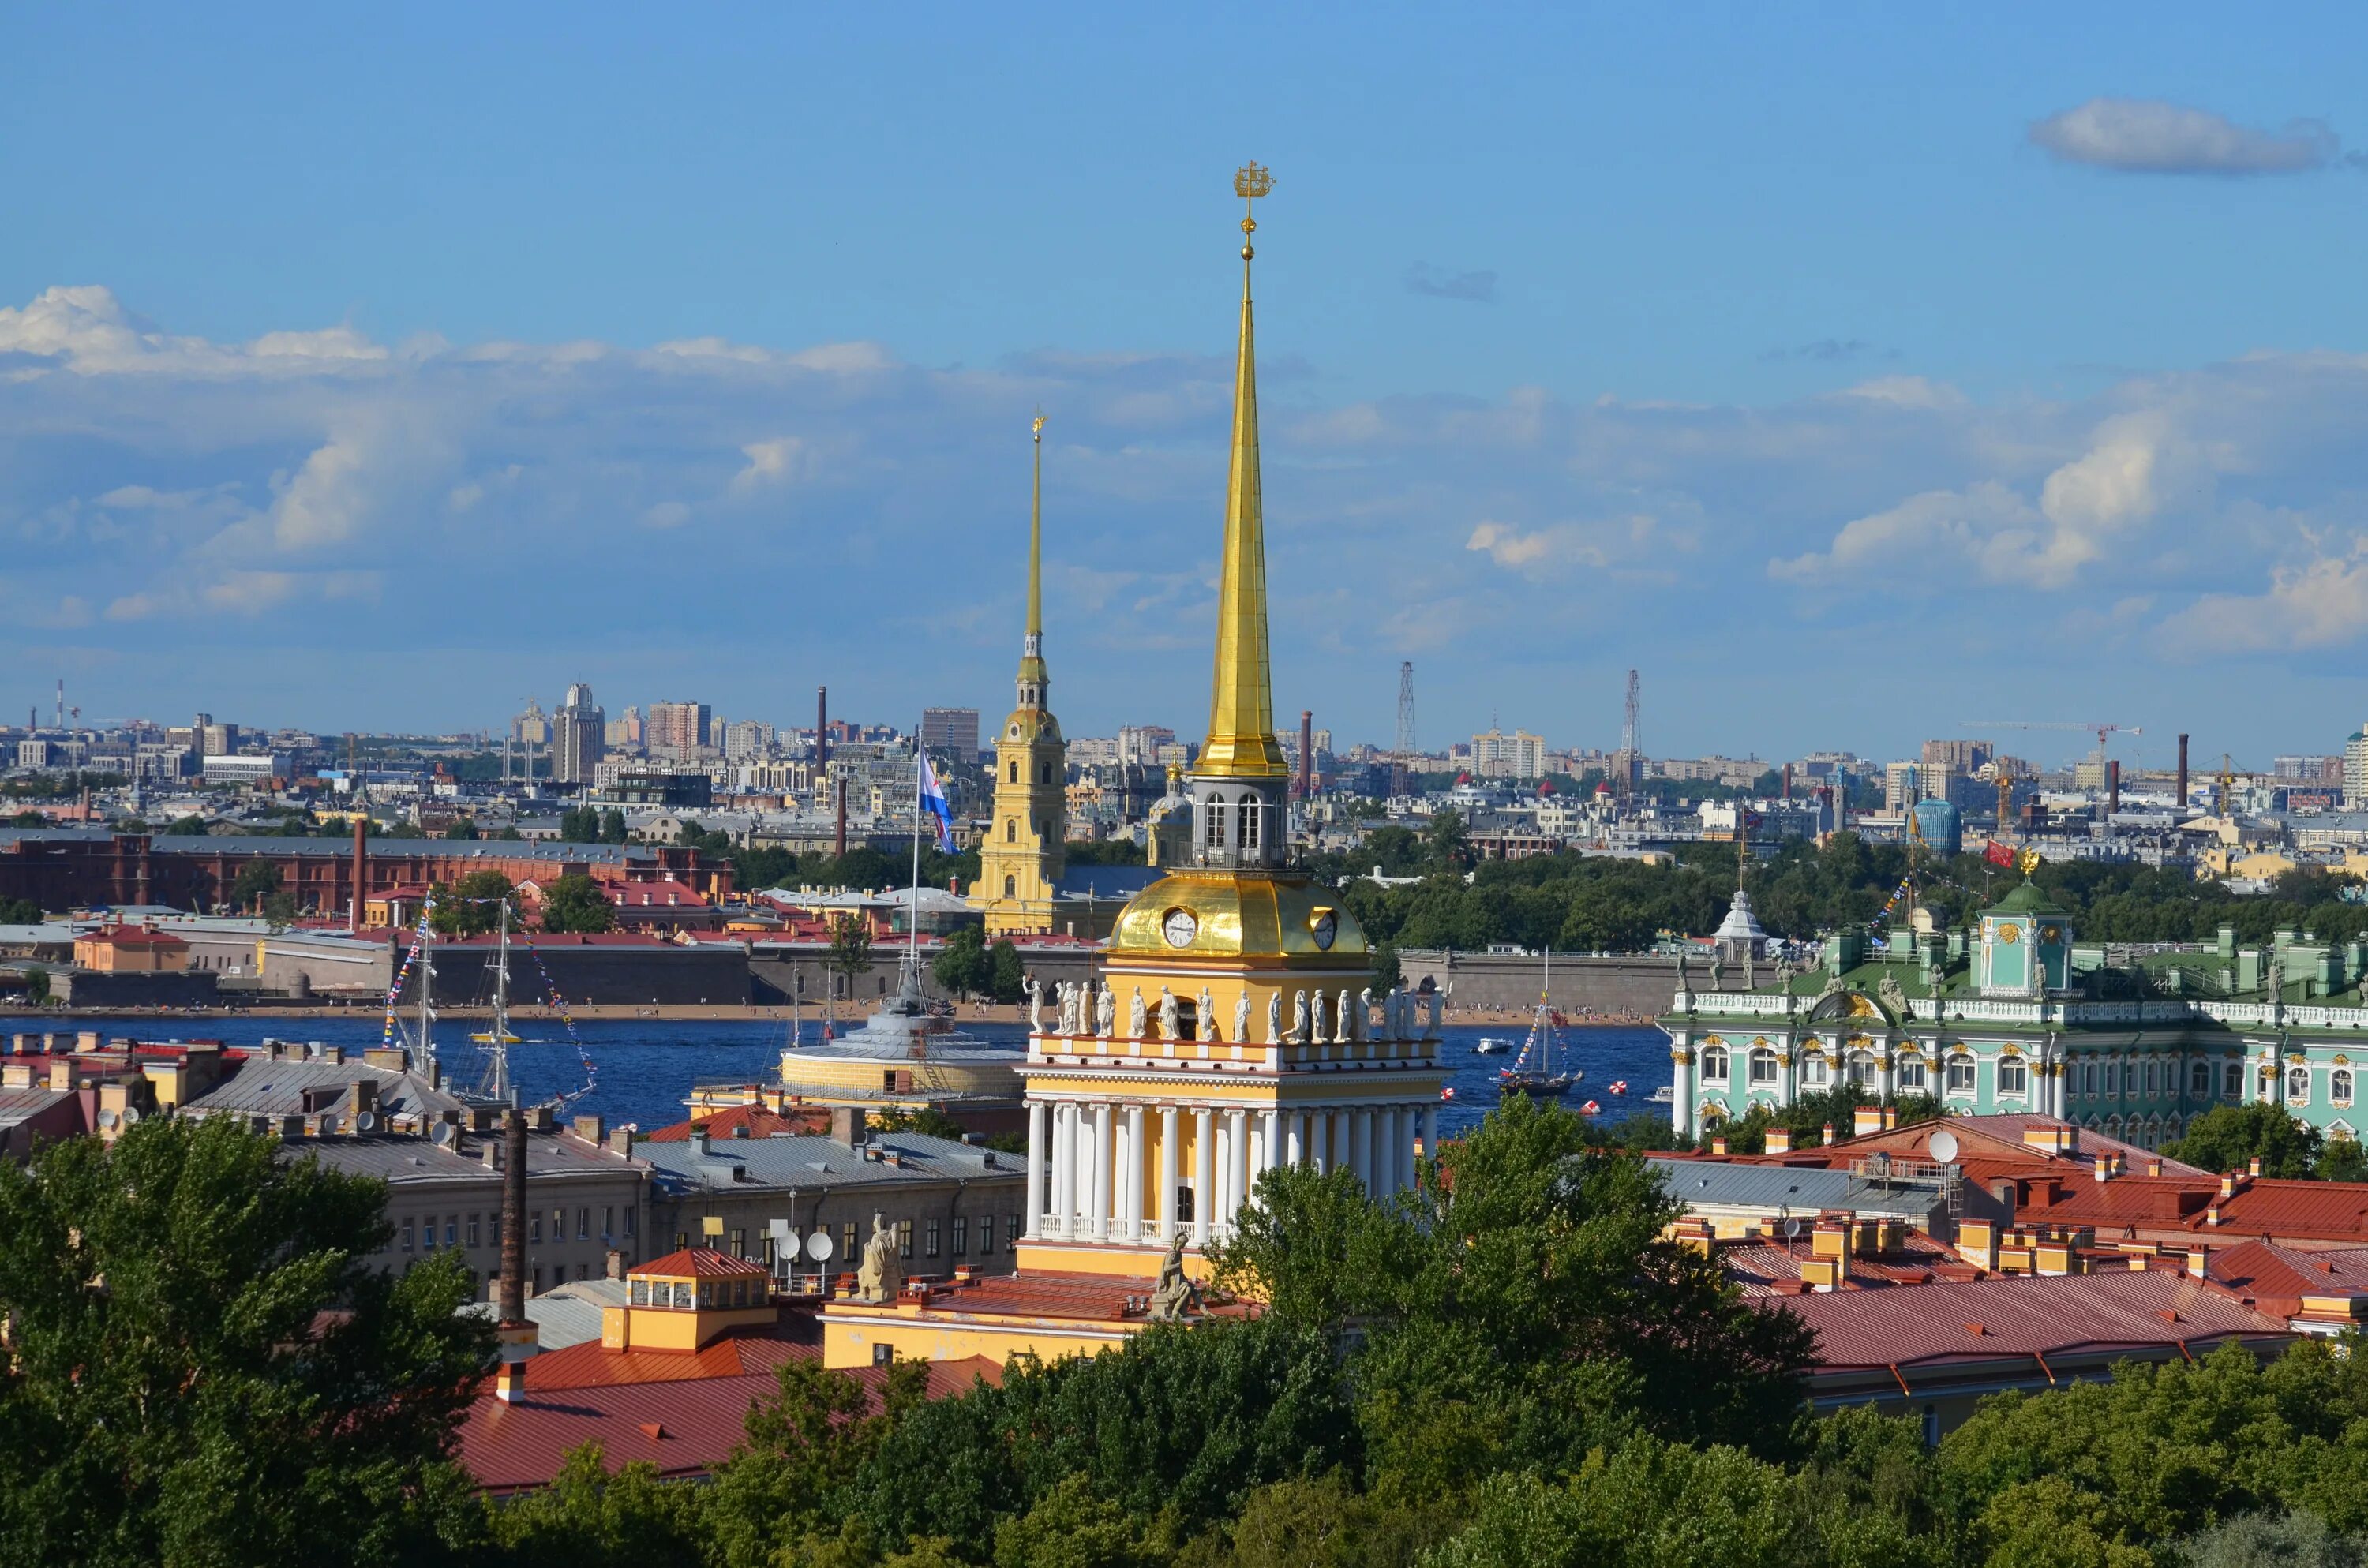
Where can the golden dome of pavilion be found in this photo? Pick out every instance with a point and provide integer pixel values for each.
(1227, 914)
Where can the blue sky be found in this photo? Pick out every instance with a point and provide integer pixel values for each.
(1851, 376)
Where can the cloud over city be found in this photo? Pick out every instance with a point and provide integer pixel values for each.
(421, 507)
(2147, 136)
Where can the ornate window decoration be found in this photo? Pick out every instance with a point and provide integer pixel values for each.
(2338, 1085)
(2298, 1084)
(1763, 1067)
(1714, 1063)
(1961, 1075)
(2013, 1077)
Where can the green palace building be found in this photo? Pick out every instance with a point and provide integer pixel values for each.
(2014, 1014)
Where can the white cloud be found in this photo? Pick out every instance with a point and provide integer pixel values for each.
(1561, 547)
(780, 461)
(667, 514)
(2320, 602)
(2147, 136)
(1907, 392)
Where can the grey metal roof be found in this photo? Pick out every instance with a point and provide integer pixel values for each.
(17, 1106)
(262, 1086)
(263, 844)
(564, 1314)
(810, 1161)
(395, 1160)
(1802, 1188)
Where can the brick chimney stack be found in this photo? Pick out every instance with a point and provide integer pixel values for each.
(821, 726)
(515, 1331)
(2178, 803)
(361, 867)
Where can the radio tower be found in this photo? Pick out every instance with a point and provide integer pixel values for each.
(1407, 747)
(1632, 761)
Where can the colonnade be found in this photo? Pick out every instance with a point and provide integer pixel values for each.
(1090, 1160)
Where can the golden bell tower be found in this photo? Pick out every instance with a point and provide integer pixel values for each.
(1025, 848)
(1233, 1027)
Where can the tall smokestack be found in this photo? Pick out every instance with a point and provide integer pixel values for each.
(515, 1331)
(2112, 786)
(1788, 781)
(841, 849)
(361, 869)
(1306, 753)
(822, 725)
(2179, 801)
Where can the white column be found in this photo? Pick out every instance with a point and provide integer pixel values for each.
(1165, 1208)
(1360, 1148)
(1343, 1152)
(1271, 1150)
(1430, 1131)
(1036, 1152)
(1681, 1091)
(1401, 1147)
(1064, 1167)
(1204, 1174)
(1099, 1226)
(1294, 1138)
(1319, 1141)
(1240, 1168)
(1130, 1220)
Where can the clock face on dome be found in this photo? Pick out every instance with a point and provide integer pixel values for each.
(1179, 926)
(1323, 926)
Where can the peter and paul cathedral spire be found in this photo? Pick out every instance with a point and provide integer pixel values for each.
(1025, 852)
(1241, 742)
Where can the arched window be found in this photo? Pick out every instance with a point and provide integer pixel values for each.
(1044, 774)
(1961, 1075)
(1250, 810)
(1011, 887)
(1911, 1074)
(1812, 1072)
(2113, 1126)
(1714, 1063)
(1012, 830)
(2232, 1081)
(2013, 1075)
(1015, 770)
(2199, 1078)
(1861, 1069)
(1763, 1065)
(2338, 1085)
(1215, 809)
(2297, 1083)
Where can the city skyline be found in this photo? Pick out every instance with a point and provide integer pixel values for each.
(1743, 443)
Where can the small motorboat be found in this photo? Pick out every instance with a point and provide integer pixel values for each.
(1662, 1096)
(1617, 1087)
(1491, 1046)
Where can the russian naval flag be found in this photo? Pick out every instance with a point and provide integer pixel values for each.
(933, 796)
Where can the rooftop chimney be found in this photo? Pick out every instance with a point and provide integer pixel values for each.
(517, 1331)
(2253, 1166)
(848, 1124)
(1779, 1140)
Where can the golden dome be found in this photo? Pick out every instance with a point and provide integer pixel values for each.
(1030, 724)
(1237, 916)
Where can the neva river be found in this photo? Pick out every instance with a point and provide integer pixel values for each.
(646, 1069)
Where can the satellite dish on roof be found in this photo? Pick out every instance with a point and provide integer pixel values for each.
(328, 1125)
(1944, 1146)
(106, 1119)
(365, 1121)
(1792, 1228)
(131, 1114)
(818, 1246)
(443, 1135)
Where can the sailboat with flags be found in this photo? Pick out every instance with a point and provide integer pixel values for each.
(1542, 1070)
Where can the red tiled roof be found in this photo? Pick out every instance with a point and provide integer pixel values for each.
(1988, 1147)
(685, 1428)
(734, 1353)
(700, 1263)
(2022, 1316)
(741, 1121)
(1768, 1268)
(2268, 1206)
(2277, 1278)
(656, 895)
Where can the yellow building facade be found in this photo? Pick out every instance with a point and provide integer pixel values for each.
(1025, 849)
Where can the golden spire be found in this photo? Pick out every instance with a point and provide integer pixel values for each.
(1033, 678)
(1241, 700)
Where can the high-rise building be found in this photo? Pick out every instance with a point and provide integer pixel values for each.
(747, 740)
(579, 737)
(1145, 745)
(1499, 755)
(1026, 848)
(678, 729)
(1901, 788)
(2355, 769)
(1965, 756)
(953, 731)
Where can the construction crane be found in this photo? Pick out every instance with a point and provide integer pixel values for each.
(2102, 731)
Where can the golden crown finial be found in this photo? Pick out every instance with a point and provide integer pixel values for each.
(1037, 429)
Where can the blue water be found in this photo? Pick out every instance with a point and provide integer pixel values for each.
(647, 1068)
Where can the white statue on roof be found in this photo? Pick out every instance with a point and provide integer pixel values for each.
(879, 1279)
(1170, 1017)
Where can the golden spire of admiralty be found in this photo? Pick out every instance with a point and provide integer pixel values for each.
(1241, 700)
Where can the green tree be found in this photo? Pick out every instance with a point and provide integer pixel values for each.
(2343, 1159)
(279, 908)
(202, 1371)
(20, 912)
(2229, 1137)
(612, 827)
(1387, 974)
(961, 966)
(574, 903)
(790, 1486)
(471, 906)
(461, 828)
(580, 824)
(1008, 975)
(36, 987)
(1446, 842)
(186, 827)
(257, 880)
(849, 955)
(589, 1518)
(28, 818)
